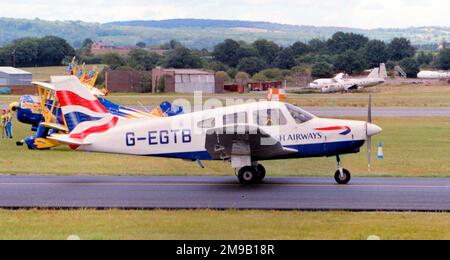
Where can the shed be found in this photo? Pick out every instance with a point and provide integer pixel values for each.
(10, 76)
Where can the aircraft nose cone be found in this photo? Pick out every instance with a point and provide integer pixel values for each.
(373, 130)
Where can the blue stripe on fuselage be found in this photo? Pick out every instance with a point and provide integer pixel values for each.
(305, 151)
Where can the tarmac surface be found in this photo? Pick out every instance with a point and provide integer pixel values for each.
(362, 194)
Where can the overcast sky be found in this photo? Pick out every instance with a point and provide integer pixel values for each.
(349, 13)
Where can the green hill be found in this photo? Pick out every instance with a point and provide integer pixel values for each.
(197, 33)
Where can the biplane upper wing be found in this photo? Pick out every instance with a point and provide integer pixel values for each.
(244, 140)
(45, 85)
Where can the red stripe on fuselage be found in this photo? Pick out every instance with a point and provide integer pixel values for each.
(69, 98)
(333, 128)
(96, 129)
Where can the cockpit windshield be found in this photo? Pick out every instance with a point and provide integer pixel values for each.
(300, 116)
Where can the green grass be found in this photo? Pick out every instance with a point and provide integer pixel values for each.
(383, 96)
(414, 147)
(226, 225)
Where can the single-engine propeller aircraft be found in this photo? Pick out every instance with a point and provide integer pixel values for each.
(243, 134)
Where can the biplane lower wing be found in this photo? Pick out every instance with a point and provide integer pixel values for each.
(57, 127)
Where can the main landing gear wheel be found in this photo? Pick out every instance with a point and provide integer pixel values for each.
(261, 172)
(248, 175)
(343, 178)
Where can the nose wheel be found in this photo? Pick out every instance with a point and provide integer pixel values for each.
(342, 176)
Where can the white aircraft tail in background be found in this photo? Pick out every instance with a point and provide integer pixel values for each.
(378, 73)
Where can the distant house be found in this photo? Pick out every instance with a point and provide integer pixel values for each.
(186, 81)
(101, 48)
(19, 81)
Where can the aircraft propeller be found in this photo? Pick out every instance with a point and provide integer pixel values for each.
(369, 137)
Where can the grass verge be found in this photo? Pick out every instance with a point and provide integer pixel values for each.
(223, 225)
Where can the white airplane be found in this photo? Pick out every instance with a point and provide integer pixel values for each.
(434, 75)
(342, 84)
(243, 134)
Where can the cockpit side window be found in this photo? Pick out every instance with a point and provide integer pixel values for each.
(236, 118)
(298, 114)
(269, 117)
(208, 123)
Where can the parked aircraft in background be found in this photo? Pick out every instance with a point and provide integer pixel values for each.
(243, 135)
(434, 75)
(342, 84)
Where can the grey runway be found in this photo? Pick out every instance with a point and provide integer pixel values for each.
(363, 194)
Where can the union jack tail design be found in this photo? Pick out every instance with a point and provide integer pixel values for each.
(83, 113)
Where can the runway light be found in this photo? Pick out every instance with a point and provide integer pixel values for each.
(380, 151)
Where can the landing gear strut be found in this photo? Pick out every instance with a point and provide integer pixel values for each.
(251, 174)
(342, 176)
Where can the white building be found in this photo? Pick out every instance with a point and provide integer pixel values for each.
(10, 76)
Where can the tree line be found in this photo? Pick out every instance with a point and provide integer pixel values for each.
(32, 52)
(262, 59)
(349, 52)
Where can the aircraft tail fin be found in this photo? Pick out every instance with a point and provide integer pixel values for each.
(380, 72)
(383, 71)
(375, 73)
(83, 113)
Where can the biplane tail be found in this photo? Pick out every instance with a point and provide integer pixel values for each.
(83, 113)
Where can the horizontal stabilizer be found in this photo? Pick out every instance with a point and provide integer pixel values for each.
(57, 127)
(67, 140)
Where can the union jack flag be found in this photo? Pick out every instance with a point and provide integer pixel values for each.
(83, 113)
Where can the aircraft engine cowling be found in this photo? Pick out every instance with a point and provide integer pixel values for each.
(29, 111)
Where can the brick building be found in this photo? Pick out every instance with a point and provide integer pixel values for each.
(128, 81)
(187, 80)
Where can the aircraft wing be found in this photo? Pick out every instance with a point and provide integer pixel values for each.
(67, 140)
(44, 85)
(244, 140)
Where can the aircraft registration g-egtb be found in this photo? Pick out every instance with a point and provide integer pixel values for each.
(243, 134)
